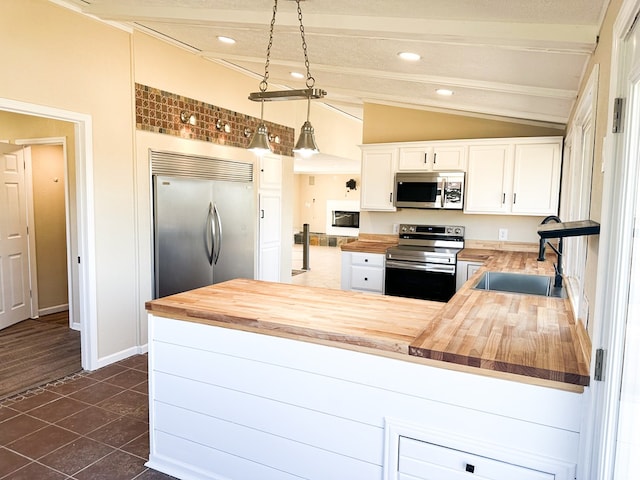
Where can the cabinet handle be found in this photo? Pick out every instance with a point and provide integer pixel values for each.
(469, 468)
(365, 279)
(262, 213)
(514, 198)
(391, 197)
(434, 158)
(504, 197)
(425, 157)
(366, 260)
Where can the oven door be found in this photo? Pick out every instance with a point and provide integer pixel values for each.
(435, 282)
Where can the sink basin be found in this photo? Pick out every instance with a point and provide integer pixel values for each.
(519, 283)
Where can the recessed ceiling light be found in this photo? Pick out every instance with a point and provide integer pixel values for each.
(409, 56)
(297, 75)
(228, 40)
(444, 92)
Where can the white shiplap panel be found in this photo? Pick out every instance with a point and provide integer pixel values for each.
(317, 429)
(189, 460)
(258, 447)
(350, 400)
(467, 390)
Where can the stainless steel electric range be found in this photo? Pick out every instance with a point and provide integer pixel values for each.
(423, 264)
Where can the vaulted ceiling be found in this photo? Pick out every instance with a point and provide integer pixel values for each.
(521, 59)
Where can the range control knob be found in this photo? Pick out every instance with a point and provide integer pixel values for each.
(412, 228)
(449, 230)
(403, 229)
(458, 231)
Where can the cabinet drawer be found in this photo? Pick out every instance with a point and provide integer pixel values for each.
(367, 278)
(423, 460)
(368, 259)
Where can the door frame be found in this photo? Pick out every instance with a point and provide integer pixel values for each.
(87, 301)
(72, 289)
(620, 182)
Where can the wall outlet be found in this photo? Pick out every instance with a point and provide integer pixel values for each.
(396, 228)
(503, 234)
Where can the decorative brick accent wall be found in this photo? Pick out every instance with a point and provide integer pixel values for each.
(159, 111)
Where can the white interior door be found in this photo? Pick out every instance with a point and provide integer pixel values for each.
(14, 243)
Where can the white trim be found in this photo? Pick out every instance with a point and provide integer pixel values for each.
(55, 309)
(613, 264)
(86, 221)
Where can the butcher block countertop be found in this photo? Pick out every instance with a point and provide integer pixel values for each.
(532, 339)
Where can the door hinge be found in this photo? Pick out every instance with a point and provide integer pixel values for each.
(597, 375)
(618, 106)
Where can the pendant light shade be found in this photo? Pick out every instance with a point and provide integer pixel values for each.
(260, 141)
(306, 144)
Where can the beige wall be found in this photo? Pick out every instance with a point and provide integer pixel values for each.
(311, 200)
(50, 230)
(384, 123)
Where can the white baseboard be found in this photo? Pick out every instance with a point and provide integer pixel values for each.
(121, 355)
(55, 309)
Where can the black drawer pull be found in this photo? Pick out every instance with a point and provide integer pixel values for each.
(470, 468)
(366, 279)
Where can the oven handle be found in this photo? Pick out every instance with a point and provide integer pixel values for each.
(436, 268)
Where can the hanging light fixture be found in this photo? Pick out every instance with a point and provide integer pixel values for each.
(306, 144)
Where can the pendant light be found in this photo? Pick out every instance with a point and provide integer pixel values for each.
(260, 142)
(306, 144)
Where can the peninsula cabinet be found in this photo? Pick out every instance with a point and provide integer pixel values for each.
(234, 404)
(518, 176)
(377, 177)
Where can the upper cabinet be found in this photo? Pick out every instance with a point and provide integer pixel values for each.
(517, 176)
(508, 176)
(432, 157)
(377, 178)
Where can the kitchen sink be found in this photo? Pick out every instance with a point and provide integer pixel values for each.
(519, 283)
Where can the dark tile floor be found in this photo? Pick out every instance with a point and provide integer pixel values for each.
(88, 426)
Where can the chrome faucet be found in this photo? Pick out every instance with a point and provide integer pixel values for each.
(543, 242)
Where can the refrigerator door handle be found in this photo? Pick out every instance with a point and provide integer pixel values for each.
(218, 234)
(210, 235)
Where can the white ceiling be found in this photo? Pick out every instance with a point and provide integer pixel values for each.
(521, 59)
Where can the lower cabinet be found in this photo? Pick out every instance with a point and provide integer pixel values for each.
(362, 272)
(464, 271)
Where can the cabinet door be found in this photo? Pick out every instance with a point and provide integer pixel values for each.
(270, 172)
(449, 158)
(415, 159)
(536, 179)
(270, 242)
(378, 170)
(489, 167)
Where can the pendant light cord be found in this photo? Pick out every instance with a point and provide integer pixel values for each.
(264, 82)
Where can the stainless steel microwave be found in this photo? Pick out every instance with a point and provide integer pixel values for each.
(442, 190)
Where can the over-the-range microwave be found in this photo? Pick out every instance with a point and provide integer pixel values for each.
(442, 190)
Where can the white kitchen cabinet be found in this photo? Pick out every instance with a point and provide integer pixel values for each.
(514, 176)
(432, 157)
(426, 461)
(464, 271)
(377, 178)
(362, 272)
(536, 179)
(270, 172)
(270, 218)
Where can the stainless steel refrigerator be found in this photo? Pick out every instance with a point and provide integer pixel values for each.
(204, 232)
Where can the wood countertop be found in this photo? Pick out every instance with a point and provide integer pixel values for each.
(528, 338)
(340, 316)
(371, 243)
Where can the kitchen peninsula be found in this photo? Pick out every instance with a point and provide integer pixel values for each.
(253, 379)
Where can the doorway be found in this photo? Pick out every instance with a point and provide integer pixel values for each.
(81, 230)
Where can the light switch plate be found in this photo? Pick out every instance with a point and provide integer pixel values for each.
(503, 234)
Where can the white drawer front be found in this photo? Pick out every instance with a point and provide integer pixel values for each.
(367, 278)
(428, 461)
(368, 259)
